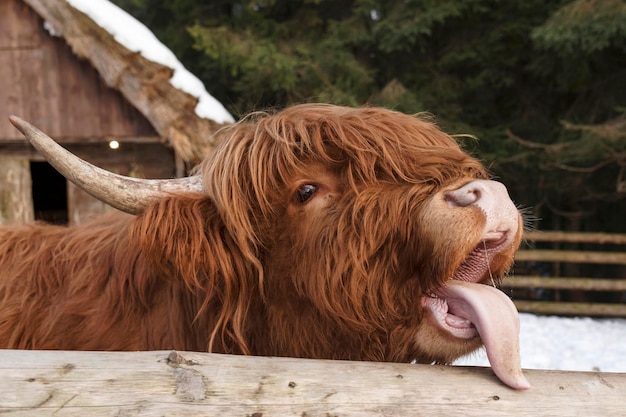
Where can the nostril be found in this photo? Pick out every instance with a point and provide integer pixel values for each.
(464, 196)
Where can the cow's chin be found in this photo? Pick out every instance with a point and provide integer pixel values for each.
(438, 345)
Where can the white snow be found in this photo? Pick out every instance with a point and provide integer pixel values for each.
(50, 29)
(568, 344)
(138, 38)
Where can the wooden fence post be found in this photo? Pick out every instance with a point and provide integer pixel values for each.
(16, 201)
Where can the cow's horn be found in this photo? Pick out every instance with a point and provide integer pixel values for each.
(131, 195)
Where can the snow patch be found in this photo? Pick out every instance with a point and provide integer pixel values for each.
(50, 29)
(567, 344)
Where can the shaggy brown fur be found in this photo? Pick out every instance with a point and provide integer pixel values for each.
(248, 268)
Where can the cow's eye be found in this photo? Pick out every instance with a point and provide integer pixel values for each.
(305, 192)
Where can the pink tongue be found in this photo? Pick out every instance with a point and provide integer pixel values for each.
(495, 317)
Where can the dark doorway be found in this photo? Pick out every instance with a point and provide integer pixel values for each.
(49, 193)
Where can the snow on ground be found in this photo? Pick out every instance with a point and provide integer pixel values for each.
(138, 38)
(568, 344)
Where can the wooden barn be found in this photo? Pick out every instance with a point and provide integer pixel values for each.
(108, 104)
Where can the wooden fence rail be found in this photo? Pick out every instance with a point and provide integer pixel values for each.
(94, 384)
(556, 283)
(576, 237)
(615, 285)
(550, 255)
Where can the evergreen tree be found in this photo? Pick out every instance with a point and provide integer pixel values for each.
(539, 83)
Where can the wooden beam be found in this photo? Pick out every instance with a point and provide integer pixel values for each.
(84, 140)
(16, 200)
(616, 258)
(61, 383)
(574, 237)
(563, 283)
(560, 308)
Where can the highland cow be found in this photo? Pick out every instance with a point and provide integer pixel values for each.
(315, 232)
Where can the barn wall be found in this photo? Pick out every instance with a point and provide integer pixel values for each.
(43, 82)
(140, 160)
(135, 160)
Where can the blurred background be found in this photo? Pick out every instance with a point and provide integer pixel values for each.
(541, 84)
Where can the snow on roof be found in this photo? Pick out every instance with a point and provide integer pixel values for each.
(135, 36)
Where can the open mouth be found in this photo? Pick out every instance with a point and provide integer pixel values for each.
(465, 307)
(451, 313)
(450, 318)
(476, 266)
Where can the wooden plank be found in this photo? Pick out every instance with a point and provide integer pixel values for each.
(15, 21)
(573, 237)
(617, 258)
(86, 140)
(82, 207)
(20, 152)
(571, 309)
(565, 283)
(16, 203)
(61, 383)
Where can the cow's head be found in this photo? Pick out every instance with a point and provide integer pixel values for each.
(372, 234)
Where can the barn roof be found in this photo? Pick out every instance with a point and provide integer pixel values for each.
(145, 72)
